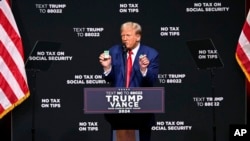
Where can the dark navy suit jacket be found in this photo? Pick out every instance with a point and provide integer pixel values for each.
(117, 75)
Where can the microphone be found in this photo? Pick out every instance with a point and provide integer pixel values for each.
(124, 56)
(124, 48)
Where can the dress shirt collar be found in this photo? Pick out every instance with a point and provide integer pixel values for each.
(135, 50)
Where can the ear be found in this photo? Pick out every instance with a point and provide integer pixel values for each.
(138, 38)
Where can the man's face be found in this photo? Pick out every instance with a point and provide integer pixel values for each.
(129, 38)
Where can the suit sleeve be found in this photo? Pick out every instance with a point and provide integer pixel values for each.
(152, 72)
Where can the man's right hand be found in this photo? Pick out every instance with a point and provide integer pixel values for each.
(105, 62)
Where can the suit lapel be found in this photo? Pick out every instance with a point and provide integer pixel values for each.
(136, 65)
(123, 64)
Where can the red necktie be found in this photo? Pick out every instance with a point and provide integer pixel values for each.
(129, 67)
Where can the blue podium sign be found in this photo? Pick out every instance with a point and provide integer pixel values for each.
(124, 100)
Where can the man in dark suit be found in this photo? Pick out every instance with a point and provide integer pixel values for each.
(144, 73)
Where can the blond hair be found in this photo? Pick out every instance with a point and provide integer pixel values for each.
(133, 25)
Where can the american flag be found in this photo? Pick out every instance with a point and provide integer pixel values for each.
(243, 48)
(13, 80)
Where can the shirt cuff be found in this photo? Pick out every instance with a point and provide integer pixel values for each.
(144, 73)
(107, 71)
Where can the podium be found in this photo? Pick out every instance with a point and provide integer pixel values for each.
(206, 57)
(127, 101)
(37, 61)
(110, 100)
